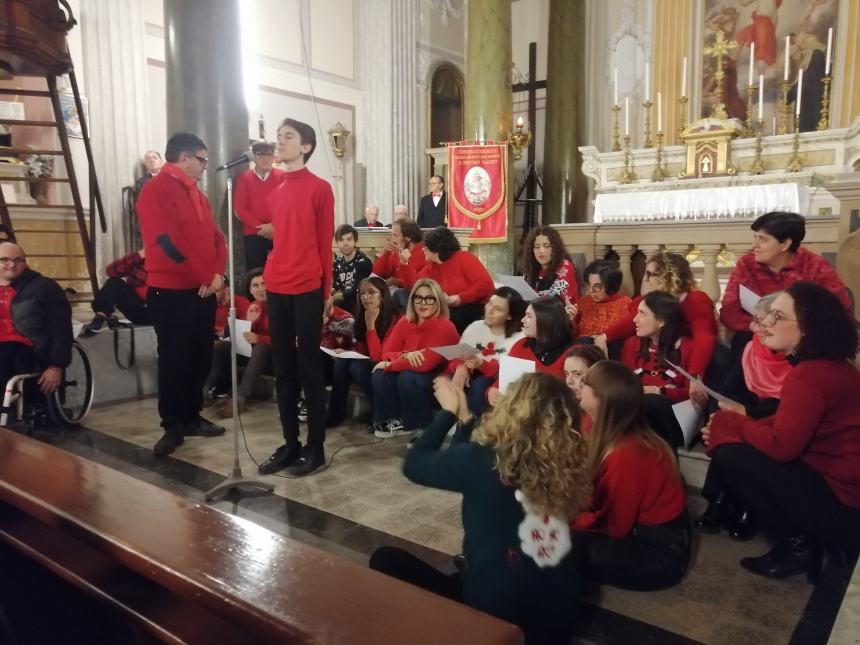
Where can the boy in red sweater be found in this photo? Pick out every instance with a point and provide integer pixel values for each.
(298, 277)
(186, 256)
(253, 189)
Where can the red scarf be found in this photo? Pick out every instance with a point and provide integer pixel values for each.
(764, 370)
(190, 185)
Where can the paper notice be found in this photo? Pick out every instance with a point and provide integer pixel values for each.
(511, 369)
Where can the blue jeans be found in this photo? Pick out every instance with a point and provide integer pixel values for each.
(348, 370)
(476, 394)
(403, 395)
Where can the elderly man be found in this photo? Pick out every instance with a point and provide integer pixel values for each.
(35, 322)
(400, 212)
(152, 163)
(253, 189)
(370, 219)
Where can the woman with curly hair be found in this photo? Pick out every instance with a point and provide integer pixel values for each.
(523, 475)
(636, 534)
(547, 267)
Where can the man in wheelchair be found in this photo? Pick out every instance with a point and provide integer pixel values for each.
(35, 325)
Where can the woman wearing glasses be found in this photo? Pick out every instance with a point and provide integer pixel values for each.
(799, 470)
(602, 306)
(403, 379)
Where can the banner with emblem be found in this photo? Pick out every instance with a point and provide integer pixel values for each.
(478, 190)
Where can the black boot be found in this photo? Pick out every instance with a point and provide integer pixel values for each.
(742, 526)
(715, 515)
(791, 555)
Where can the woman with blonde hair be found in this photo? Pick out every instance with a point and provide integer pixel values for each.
(403, 379)
(523, 475)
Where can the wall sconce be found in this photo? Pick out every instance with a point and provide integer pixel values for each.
(520, 139)
(338, 137)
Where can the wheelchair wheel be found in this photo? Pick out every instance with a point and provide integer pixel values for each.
(72, 400)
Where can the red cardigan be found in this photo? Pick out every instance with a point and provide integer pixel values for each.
(388, 264)
(409, 337)
(677, 386)
(817, 422)
(460, 275)
(252, 198)
(636, 485)
(303, 217)
(698, 310)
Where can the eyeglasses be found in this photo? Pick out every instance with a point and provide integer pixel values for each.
(368, 294)
(13, 260)
(594, 288)
(650, 274)
(772, 317)
(203, 160)
(427, 300)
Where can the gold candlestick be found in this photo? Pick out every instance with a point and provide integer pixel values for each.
(784, 109)
(659, 172)
(824, 121)
(757, 167)
(795, 164)
(749, 130)
(647, 105)
(682, 121)
(616, 143)
(628, 174)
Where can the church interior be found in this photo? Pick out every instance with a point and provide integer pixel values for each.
(634, 129)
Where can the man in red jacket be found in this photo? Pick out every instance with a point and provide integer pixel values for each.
(298, 278)
(186, 255)
(253, 189)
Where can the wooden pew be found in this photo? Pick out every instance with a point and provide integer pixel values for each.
(183, 572)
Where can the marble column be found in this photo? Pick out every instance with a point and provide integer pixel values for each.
(204, 88)
(565, 190)
(113, 79)
(710, 277)
(488, 100)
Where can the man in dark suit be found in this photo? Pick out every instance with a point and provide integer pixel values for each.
(431, 211)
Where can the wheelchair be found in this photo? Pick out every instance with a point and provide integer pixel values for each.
(65, 407)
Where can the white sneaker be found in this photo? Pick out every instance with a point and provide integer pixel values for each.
(393, 428)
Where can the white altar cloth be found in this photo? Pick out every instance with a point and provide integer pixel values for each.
(731, 202)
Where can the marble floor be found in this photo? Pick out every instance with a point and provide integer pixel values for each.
(362, 501)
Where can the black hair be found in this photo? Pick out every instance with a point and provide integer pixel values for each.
(608, 272)
(345, 229)
(307, 135)
(783, 226)
(409, 229)
(183, 143)
(441, 241)
(10, 234)
(387, 310)
(553, 325)
(249, 276)
(667, 309)
(591, 354)
(827, 330)
(516, 309)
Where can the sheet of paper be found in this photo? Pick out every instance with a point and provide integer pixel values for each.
(519, 284)
(243, 347)
(511, 369)
(346, 354)
(749, 300)
(450, 352)
(713, 393)
(689, 418)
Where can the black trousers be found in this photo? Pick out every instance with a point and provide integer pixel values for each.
(661, 418)
(787, 498)
(18, 358)
(295, 322)
(116, 293)
(184, 325)
(257, 249)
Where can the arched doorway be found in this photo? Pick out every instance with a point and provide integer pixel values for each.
(446, 105)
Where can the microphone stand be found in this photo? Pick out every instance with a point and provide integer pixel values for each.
(236, 481)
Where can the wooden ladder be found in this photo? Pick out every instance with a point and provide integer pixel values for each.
(86, 229)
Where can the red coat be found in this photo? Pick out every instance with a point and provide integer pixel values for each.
(460, 275)
(388, 264)
(409, 337)
(251, 199)
(651, 372)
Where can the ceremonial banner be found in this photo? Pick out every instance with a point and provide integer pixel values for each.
(478, 190)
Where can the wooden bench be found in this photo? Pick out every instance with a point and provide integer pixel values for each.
(183, 572)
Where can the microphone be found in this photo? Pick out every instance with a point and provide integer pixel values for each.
(245, 157)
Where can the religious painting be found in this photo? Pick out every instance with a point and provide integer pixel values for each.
(756, 31)
(71, 118)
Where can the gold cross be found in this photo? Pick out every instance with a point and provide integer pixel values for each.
(720, 48)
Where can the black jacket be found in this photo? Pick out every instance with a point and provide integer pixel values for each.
(41, 312)
(430, 216)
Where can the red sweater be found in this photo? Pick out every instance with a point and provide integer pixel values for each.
(460, 275)
(222, 313)
(251, 200)
(758, 278)
(373, 344)
(303, 216)
(817, 422)
(594, 317)
(388, 264)
(259, 318)
(636, 485)
(698, 310)
(651, 372)
(409, 337)
(184, 248)
(555, 366)
(8, 333)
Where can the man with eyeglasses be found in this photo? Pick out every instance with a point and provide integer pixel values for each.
(186, 255)
(35, 324)
(253, 189)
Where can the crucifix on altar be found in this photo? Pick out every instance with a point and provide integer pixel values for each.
(531, 86)
(718, 50)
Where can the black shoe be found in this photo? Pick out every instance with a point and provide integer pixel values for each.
(94, 326)
(313, 457)
(715, 515)
(280, 459)
(791, 555)
(113, 322)
(200, 427)
(171, 440)
(742, 526)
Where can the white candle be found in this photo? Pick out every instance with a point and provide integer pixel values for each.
(615, 72)
(520, 122)
(684, 77)
(829, 50)
(647, 82)
(774, 126)
(760, 97)
(626, 116)
(659, 111)
(799, 92)
(752, 62)
(787, 56)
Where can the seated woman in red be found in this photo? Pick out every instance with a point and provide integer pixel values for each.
(799, 470)
(547, 267)
(601, 306)
(403, 379)
(659, 340)
(577, 362)
(636, 534)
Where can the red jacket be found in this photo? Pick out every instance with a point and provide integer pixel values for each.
(184, 247)
(698, 310)
(817, 422)
(388, 264)
(460, 275)
(636, 485)
(651, 372)
(409, 337)
(303, 217)
(755, 276)
(251, 199)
